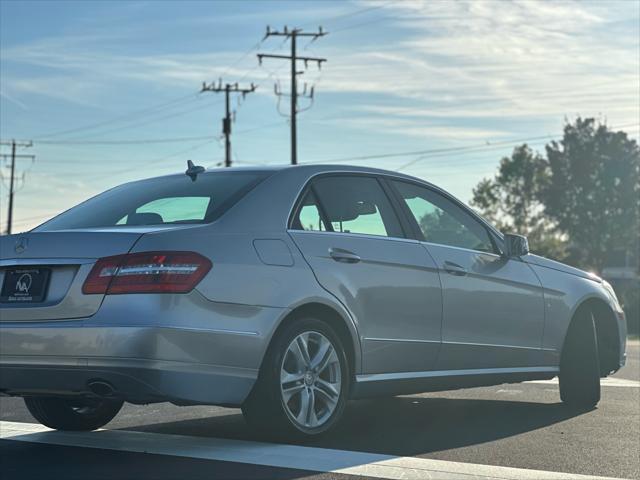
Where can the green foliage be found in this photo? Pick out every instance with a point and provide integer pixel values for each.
(511, 201)
(581, 204)
(593, 192)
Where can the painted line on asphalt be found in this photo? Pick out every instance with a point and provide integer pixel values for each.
(275, 455)
(605, 382)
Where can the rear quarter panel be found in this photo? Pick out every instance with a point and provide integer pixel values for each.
(249, 270)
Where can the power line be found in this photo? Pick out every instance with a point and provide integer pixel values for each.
(81, 141)
(153, 120)
(412, 153)
(157, 119)
(133, 114)
(293, 35)
(352, 14)
(422, 154)
(152, 162)
(144, 111)
(144, 141)
(156, 141)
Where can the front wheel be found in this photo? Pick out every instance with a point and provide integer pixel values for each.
(303, 385)
(580, 364)
(79, 414)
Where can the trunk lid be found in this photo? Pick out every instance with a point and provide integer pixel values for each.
(41, 273)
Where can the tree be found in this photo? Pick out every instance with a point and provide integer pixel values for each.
(593, 192)
(511, 200)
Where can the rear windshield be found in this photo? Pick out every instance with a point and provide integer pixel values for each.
(159, 201)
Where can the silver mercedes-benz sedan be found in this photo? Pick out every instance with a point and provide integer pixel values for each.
(287, 291)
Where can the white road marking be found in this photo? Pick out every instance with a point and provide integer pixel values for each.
(274, 455)
(605, 382)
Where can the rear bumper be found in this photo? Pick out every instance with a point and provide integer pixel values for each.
(134, 380)
(151, 348)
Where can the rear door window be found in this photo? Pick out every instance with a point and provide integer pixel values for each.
(351, 204)
(309, 217)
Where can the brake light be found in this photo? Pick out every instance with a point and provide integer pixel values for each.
(147, 272)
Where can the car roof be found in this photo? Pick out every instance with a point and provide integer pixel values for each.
(309, 169)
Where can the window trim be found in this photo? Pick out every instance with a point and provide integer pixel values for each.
(298, 209)
(309, 186)
(415, 227)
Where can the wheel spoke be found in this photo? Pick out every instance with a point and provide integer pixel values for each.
(302, 351)
(288, 377)
(289, 392)
(307, 415)
(328, 392)
(321, 358)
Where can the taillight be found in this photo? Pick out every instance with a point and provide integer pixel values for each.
(147, 272)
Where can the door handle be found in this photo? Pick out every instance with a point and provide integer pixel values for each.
(343, 256)
(454, 269)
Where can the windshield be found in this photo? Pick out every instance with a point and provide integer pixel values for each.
(159, 201)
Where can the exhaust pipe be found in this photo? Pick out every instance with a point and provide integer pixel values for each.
(101, 388)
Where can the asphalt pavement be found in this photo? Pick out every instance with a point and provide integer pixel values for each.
(472, 433)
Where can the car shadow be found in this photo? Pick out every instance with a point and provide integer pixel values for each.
(402, 426)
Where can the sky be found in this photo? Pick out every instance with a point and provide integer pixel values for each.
(110, 91)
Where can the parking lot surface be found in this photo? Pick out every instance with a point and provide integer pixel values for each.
(507, 431)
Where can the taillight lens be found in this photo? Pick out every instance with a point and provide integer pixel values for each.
(147, 272)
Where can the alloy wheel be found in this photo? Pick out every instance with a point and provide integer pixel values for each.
(310, 380)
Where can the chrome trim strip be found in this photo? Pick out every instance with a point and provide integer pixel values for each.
(470, 250)
(375, 339)
(379, 377)
(11, 262)
(401, 340)
(357, 235)
(492, 345)
(39, 324)
(189, 329)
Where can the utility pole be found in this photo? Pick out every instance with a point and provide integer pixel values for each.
(293, 58)
(228, 89)
(13, 157)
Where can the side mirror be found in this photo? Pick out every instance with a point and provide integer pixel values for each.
(515, 245)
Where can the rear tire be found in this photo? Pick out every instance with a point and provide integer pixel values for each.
(81, 414)
(580, 364)
(291, 382)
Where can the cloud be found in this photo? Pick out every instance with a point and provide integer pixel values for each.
(462, 61)
(400, 125)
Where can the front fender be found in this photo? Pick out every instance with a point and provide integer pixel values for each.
(564, 293)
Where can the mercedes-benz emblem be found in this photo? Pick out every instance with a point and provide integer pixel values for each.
(21, 244)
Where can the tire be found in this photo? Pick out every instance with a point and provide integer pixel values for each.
(81, 414)
(312, 398)
(580, 365)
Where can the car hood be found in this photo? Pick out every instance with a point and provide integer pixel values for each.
(561, 267)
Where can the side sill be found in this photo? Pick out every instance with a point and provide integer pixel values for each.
(405, 383)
